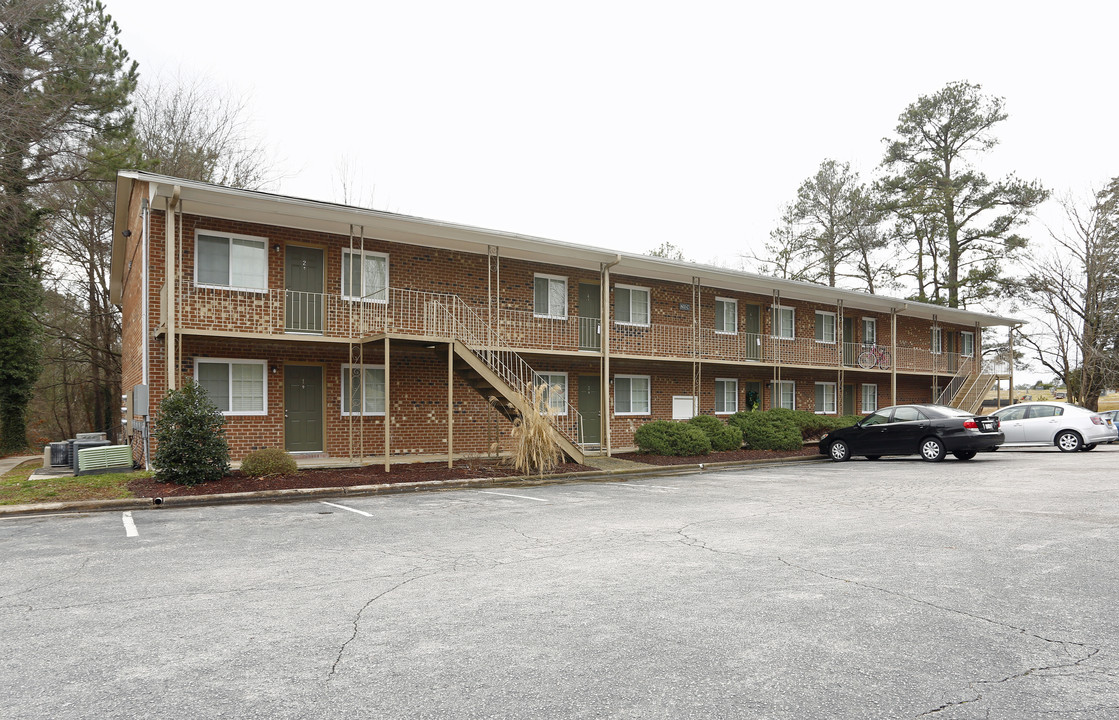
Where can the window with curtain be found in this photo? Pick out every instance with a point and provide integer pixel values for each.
(784, 323)
(237, 387)
(631, 395)
(825, 398)
(363, 389)
(726, 396)
(631, 305)
(825, 327)
(365, 276)
(231, 261)
(870, 331)
(783, 394)
(726, 315)
(870, 398)
(550, 296)
(555, 391)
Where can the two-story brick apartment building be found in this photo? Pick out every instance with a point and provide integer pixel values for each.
(345, 332)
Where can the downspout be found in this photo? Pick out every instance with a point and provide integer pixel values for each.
(604, 402)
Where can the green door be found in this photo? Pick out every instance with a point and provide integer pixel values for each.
(848, 342)
(590, 408)
(590, 312)
(753, 328)
(848, 401)
(303, 285)
(303, 408)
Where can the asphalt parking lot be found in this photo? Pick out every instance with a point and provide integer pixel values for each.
(889, 589)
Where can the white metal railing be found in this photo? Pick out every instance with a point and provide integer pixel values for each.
(276, 312)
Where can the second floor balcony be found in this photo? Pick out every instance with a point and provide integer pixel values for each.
(278, 312)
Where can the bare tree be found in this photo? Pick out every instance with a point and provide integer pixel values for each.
(193, 130)
(1076, 287)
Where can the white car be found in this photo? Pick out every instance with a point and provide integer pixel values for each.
(1069, 427)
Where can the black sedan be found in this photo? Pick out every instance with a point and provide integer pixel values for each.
(931, 431)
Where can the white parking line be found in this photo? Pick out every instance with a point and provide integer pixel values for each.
(523, 497)
(343, 507)
(130, 526)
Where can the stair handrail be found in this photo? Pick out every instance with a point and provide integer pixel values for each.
(956, 383)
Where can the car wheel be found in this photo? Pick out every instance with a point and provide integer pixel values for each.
(839, 451)
(1090, 446)
(964, 454)
(1068, 441)
(873, 457)
(932, 450)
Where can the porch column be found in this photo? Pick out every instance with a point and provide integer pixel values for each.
(604, 380)
(450, 403)
(1010, 353)
(388, 405)
(893, 356)
(169, 297)
(840, 408)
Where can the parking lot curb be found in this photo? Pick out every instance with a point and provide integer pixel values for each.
(295, 494)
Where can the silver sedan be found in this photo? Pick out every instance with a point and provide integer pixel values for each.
(1069, 427)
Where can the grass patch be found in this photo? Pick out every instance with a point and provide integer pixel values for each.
(17, 487)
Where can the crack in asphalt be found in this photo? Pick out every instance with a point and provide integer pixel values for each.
(1065, 644)
(56, 581)
(357, 619)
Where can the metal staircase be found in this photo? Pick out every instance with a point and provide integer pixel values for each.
(967, 389)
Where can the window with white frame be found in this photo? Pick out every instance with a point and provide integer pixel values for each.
(870, 398)
(783, 394)
(237, 387)
(825, 327)
(549, 296)
(870, 331)
(825, 398)
(631, 395)
(726, 396)
(363, 389)
(554, 386)
(937, 340)
(726, 315)
(784, 322)
(238, 262)
(365, 276)
(967, 343)
(631, 305)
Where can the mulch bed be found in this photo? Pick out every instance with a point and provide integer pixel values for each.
(713, 457)
(237, 482)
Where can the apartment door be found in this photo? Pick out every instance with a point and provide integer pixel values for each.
(848, 401)
(950, 348)
(848, 342)
(303, 408)
(590, 408)
(753, 329)
(590, 314)
(303, 285)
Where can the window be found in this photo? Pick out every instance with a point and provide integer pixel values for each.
(726, 315)
(783, 322)
(783, 394)
(878, 418)
(825, 327)
(237, 387)
(363, 389)
(936, 341)
(870, 398)
(967, 344)
(631, 394)
(365, 276)
(908, 414)
(825, 398)
(726, 396)
(870, 331)
(232, 261)
(1043, 411)
(550, 296)
(631, 305)
(555, 393)
(1013, 413)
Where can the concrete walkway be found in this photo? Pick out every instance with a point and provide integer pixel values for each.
(8, 463)
(612, 463)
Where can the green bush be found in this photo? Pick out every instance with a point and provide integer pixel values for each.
(767, 431)
(268, 461)
(191, 438)
(812, 425)
(665, 437)
(721, 435)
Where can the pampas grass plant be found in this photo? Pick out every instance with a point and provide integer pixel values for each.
(536, 447)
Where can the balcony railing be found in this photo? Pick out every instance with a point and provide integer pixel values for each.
(279, 312)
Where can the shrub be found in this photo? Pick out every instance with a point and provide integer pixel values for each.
(721, 435)
(665, 437)
(766, 431)
(191, 438)
(812, 425)
(268, 461)
(536, 443)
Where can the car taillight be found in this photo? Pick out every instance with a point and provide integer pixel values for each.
(1097, 420)
(971, 424)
